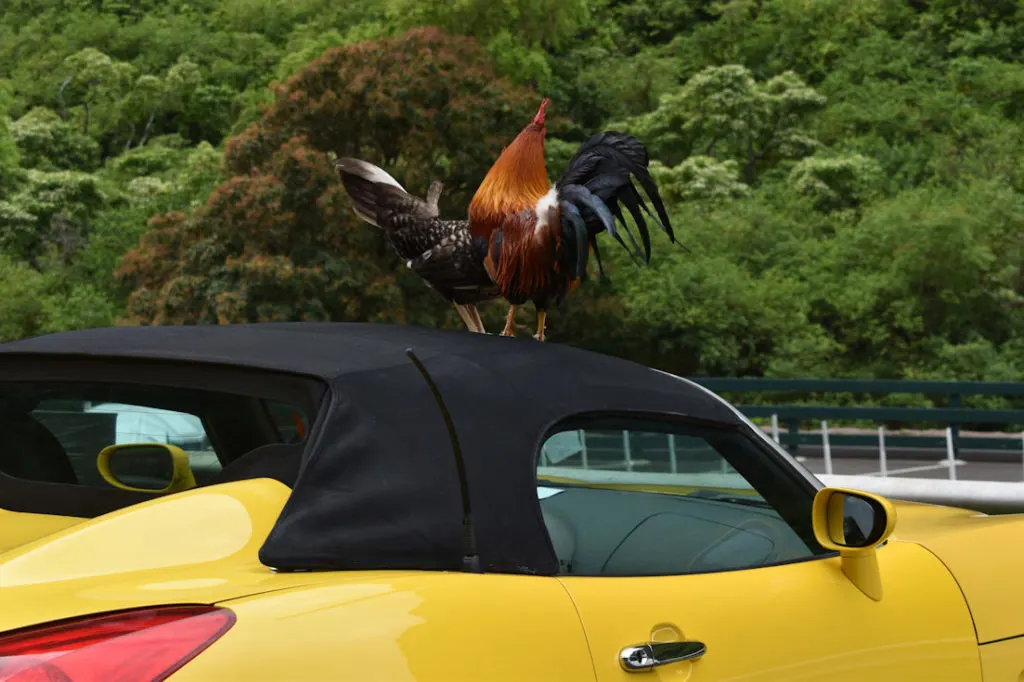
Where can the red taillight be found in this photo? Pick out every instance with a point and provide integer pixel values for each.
(144, 645)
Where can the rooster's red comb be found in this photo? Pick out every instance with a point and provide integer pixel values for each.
(539, 118)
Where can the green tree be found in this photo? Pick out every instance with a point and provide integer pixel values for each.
(9, 157)
(723, 112)
(93, 87)
(699, 178)
(48, 143)
(33, 303)
(837, 182)
(534, 22)
(515, 32)
(921, 273)
(49, 216)
(162, 176)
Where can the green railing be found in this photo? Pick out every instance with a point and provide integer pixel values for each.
(791, 413)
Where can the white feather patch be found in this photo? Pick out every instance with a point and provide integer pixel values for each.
(370, 172)
(547, 203)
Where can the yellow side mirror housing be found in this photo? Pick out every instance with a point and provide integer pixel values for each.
(854, 523)
(120, 463)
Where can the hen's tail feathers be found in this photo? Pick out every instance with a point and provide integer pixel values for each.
(598, 178)
(376, 195)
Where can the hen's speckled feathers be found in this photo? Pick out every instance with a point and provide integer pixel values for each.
(442, 252)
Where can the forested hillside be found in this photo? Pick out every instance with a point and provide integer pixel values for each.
(845, 175)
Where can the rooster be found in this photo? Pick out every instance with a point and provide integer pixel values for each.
(539, 236)
(524, 240)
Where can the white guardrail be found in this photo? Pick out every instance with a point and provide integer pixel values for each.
(990, 497)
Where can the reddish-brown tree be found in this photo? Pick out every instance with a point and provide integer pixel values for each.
(278, 240)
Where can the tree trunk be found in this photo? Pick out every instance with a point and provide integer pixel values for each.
(60, 97)
(149, 124)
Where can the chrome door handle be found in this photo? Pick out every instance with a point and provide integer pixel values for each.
(648, 656)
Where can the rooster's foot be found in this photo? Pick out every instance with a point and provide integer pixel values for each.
(510, 322)
(541, 319)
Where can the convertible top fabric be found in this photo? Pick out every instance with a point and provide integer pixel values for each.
(378, 487)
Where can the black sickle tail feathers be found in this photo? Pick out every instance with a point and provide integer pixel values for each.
(604, 167)
(583, 216)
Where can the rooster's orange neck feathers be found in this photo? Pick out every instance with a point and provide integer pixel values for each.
(516, 181)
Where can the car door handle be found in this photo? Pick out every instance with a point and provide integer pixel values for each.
(648, 656)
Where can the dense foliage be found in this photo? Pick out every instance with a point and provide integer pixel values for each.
(844, 175)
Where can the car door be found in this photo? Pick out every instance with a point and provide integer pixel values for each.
(670, 531)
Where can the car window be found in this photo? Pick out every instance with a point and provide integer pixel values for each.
(54, 432)
(80, 429)
(630, 497)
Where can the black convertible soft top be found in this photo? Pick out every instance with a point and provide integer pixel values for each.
(380, 485)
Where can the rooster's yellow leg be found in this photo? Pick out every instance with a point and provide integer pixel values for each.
(510, 322)
(541, 318)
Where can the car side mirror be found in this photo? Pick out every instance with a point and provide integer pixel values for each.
(146, 467)
(854, 523)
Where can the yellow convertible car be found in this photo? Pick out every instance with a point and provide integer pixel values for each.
(328, 502)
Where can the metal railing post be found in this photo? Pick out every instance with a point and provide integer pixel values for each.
(883, 463)
(954, 401)
(626, 451)
(826, 448)
(950, 453)
(794, 433)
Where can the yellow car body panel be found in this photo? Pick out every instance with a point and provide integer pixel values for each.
(917, 519)
(422, 627)
(17, 528)
(196, 546)
(789, 623)
(964, 541)
(1003, 661)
